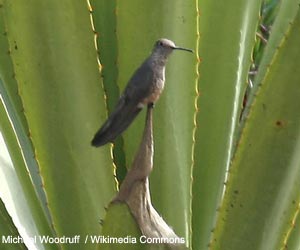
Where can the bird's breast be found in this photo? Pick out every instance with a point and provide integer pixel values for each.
(155, 91)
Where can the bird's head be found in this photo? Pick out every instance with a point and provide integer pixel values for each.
(164, 47)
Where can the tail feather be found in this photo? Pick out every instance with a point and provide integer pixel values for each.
(116, 123)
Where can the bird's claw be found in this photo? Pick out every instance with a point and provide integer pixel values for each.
(151, 105)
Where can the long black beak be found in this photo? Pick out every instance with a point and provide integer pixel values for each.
(180, 48)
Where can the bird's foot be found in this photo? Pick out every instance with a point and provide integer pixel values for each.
(151, 105)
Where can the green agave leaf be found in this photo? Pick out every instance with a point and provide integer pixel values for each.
(126, 228)
(263, 188)
(286, 14)
(104, 18)
(227, 35)
(8, 229)
(268, 13)
(7, 71)
(57, 72)
(138, 27)
(292, 240)
(9, 93)
(17, 189)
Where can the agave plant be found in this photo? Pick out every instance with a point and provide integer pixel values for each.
(226, 166)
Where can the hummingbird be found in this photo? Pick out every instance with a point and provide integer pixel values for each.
(143, 89)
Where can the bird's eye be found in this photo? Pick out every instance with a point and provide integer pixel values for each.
(161, 44)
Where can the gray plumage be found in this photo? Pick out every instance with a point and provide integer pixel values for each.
(144, 88)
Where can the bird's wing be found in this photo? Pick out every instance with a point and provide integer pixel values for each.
(140, 84)
(127, 107)
(116, 123)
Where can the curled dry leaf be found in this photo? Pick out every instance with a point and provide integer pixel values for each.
(135, 192)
